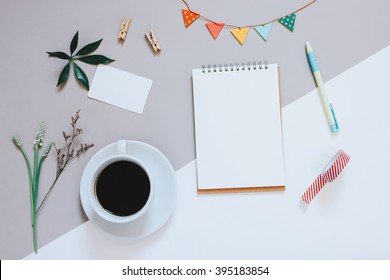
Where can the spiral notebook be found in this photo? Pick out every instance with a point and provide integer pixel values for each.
(238, 128)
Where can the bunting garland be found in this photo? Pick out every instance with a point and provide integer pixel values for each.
(288, 21)
(189, 17)
(241, 32)
(215, 28)
(264, 30)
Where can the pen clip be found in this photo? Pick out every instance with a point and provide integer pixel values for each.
(336, 128)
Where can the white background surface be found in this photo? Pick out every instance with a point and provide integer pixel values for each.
(347, 220)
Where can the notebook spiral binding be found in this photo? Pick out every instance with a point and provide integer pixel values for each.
(235, 67)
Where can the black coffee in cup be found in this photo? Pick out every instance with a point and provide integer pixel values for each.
(122, 188)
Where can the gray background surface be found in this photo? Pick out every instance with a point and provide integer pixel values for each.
(342, 33)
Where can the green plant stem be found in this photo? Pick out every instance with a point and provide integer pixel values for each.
(35, 195)
(27, 163)
(35, 191)
(37, 184)
(37, 179)
(30, 178)
(35, 229)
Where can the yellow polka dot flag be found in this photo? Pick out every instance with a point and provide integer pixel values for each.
(215, 28)
(240, 34)
(189, 17)
(288, 21)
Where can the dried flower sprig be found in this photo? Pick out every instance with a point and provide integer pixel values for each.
(67, 153)
(81, 55)
(34, 174)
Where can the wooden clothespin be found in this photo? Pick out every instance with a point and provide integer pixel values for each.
(153, 41)
(124, 28)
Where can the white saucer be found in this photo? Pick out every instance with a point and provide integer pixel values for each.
(164, 197)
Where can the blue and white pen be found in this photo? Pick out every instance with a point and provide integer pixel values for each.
(329, 112)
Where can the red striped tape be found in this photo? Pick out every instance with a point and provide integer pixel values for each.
(331, 171)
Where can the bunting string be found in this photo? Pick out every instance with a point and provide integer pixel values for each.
(240, 32)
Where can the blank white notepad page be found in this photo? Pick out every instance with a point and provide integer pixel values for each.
(238, 128)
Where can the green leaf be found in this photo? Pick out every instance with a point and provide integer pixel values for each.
(96, 59)
(60, 55)
(81, 76)
(89, 48)
(73, 44)
(64, 74)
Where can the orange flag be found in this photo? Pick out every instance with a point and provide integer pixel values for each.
(189, 17)
(240, 34)
(215, 28)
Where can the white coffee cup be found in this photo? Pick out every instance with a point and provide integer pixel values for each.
(97, 206)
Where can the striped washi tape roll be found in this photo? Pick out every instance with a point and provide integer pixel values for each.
(331, 171)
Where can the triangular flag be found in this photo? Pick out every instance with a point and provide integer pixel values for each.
(240, 34)
(288, 21)
(264, 30)
(189, 17)
(215, 28)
